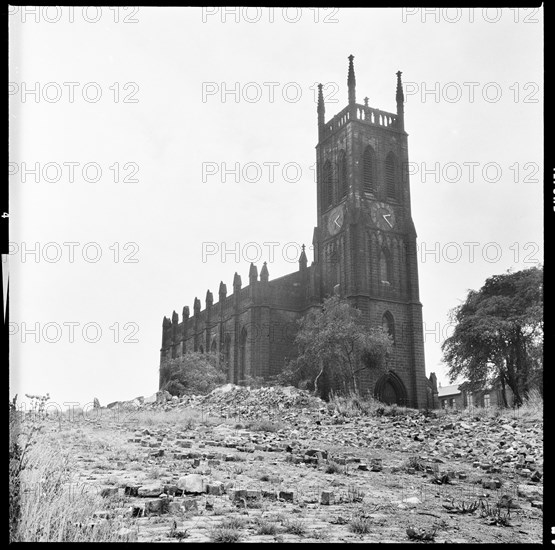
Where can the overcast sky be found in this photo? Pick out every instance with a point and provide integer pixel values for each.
(132, 161)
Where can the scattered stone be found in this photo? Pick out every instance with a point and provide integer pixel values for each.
(530, 492)
(286, 495)
(215, 488)
(327, 498)
(491, 484)
(175, 507)
(537, 504)
(131, 491)
(96, 403)
(156, 506)
(103, 514)
(154, 490)
(192, 483)
(137, 511)
(189, 504)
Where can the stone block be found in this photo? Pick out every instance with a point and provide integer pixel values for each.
(192, 483)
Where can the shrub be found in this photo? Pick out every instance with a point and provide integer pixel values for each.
(192, 373)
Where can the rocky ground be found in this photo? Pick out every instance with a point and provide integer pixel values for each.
(277, 465)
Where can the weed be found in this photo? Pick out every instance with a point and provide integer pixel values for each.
(233, 522)
(177, 534)
(360, 525)
(224, 534)
(335, 468)
(295, 527)
(462, 507)
(416, 463)
(266, 527)
(494, 515)
(354, 494)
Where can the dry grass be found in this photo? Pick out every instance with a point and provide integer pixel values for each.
(353, 405)
(263, 426)
(266, 527)
(531, 410)
(295, 527)
(360, 525)
(53, 509)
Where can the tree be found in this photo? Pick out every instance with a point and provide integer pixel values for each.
(498, 333)
(192, 373)
(334, 347)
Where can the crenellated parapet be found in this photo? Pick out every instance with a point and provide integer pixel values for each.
(358, 112)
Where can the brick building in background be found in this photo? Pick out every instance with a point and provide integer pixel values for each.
(364, 249)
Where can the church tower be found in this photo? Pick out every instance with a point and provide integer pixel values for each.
(365, 241)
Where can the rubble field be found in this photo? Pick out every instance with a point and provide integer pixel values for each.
(279, 465)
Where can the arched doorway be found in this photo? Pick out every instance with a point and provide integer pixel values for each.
(391, 390)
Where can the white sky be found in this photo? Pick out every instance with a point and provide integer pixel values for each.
(170, 132)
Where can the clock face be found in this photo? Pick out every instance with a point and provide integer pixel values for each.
(383, 216)
(335, 220)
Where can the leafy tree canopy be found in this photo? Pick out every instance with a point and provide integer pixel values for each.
(498, 333)
(192, 373)
(334, 347)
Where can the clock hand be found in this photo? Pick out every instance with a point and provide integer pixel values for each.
(337, 217)
(386, 218)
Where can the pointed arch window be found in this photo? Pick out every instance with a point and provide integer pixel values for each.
(385, 266)
(327, 185)
(391, 170)
(342, 174)
(388, 324)
(369, 170)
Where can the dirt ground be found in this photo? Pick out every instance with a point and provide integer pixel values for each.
(311, 477)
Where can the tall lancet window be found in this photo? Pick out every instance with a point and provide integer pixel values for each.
(327, 185)
(369, 170)
(388, 325)
(342, 174)
(391, 176)
(385, 266)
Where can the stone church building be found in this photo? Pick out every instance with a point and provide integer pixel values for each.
(364, 249)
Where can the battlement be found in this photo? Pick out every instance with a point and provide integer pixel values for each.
(361, 113)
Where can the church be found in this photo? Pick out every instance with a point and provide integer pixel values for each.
(364, 249)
